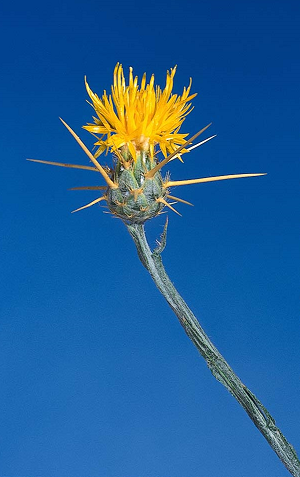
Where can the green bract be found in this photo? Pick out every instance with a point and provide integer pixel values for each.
(137, 198)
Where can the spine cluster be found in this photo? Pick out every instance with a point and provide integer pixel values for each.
(137, 198)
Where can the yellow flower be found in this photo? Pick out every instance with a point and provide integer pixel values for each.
(140, 117)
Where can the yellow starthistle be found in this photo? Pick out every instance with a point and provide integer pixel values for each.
(135, 122)
(140, 117)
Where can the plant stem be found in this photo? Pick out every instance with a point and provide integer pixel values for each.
(215, 361)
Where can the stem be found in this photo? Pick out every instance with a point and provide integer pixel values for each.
(215, 361)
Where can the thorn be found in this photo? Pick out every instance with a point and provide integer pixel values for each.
(210, 179)
(161, 244)
(136, 193)
(110, 183)
(153, 171)
(61, 164)
(89, 188)
(162, 212)
(178, 157)
(179, 200)
(163, 201)
(202, 142)
(125, 164)
(120, 204)
(196, 145)
(89, 204)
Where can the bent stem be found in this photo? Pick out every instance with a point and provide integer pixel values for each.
(218, 366)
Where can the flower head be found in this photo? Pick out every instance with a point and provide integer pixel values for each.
(139, 116)
(132, 121)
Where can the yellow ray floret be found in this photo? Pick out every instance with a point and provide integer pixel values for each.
(139, 117)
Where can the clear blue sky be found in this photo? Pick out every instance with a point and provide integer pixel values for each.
(97, 377)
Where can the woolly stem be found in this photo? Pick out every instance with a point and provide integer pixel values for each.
(215, 361)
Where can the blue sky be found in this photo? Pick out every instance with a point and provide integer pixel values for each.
(97, 377)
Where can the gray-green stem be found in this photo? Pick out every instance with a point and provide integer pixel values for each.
(215, 361)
